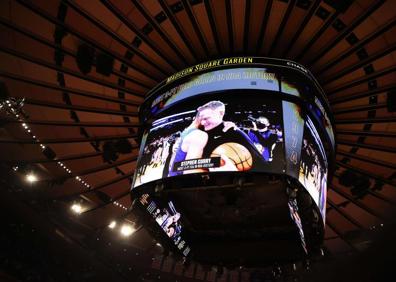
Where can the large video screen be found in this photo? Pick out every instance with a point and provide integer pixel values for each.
(293, 127)
(313, 166)
(293, 209)
(213, 133)
(320, 113)
(222, 80)
(168, 218)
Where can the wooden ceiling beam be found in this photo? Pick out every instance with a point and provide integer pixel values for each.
(74, 124)
(100, 206)
(139, 6)
(213, 26)
(364, 41)
(317, 35)
(282, 26)
(367, 173)
(201, 38)
(78, 108)
(382, 53)
(341, 235)
(264, 25)
(341, 36)
(367, 146)
(99, 168)
(69, 90)
(84, 37)
(358, 203)
(69, 71)
(56, 159)
(361, 80)
(301, 27)
(361, 94)
(116, 37)
(61, 48)
(67, 140)
(366, 120)
(168, 12)
(97, 187)
(146, 39)
(366, 159)
(387, 134)
(360, 108)
(345, 215)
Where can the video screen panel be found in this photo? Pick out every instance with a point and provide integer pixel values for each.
(324, 120)
(294, 126)
(293, 209)
(221, 80)
(169, 219)
(313, 166)
(215, 133)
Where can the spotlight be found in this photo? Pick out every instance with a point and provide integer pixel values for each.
(31, 178)
(76, 208)
(127, 230)
(112, 224)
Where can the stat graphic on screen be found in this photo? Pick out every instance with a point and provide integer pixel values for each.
(241, 115)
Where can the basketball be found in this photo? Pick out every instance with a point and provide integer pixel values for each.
(237, 153)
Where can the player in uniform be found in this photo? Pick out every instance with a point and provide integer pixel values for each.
(192, 142)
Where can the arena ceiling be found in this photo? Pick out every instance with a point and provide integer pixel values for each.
(349, 46)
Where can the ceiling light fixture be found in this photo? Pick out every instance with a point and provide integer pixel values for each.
(77, 208)
(113, 224)
(31, 178)
(127, 230)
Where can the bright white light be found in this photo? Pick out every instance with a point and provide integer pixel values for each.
(127, 230)
(24, 124)
(113, 224)
(76, 208)
(158, 244)
(31, 178)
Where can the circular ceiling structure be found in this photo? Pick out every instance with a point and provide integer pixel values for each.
(81, 69)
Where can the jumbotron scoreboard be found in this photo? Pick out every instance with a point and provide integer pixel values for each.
(235, 158)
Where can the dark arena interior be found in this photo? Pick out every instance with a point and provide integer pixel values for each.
(197, 140)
